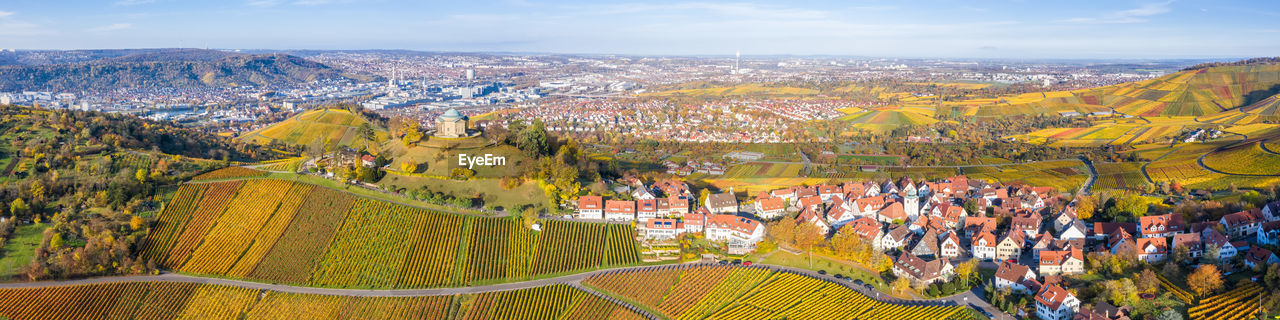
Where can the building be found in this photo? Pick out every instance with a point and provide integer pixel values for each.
(647, 209)
(1152, 250)
(1214, 241)
(949, 245)
(451, 124)
(896, 238)
(591, 207)
(1013, 276)
(661, 229)
(694, 221)
(722, 203)
(1243, 223)
(983, 246)
(618, 210)
(1191, 242)
(770, 208)
(920, 271)
(1269, 233)
(1058, 262)
(1160, 226)
(1054, 302)
(1010, 247)
(1257, 256)
(727, 227)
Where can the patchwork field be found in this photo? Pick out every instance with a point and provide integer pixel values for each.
(179, 300)
(337, 239)
(1248, 158)
(1119, 175)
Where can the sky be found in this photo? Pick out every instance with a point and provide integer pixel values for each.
(1019, 29)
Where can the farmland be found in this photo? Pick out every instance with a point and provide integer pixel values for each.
(337, 239)
(1247, 158)
(724, 292)
(1119, 175)
(327, 126)
(181, 300)
(1239, 303)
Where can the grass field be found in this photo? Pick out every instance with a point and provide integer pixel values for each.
(329, 126)
(18, 250)
(528, 194)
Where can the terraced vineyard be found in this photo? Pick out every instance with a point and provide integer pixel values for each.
(1240, 303)
(729, 292)
(180, 300)
(335, 239)
(1119, 175)
(230, 173)
(1248, 158)
(328, 126)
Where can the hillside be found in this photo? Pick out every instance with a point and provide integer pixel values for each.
(175, 68)
(338, 239)
(1197, 92)
(327, 126)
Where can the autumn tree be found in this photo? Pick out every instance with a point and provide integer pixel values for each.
(784, 231)
(1085, 205)
(1205, 280)
(807, 235)
(900, 285)
(965, 270)
(1147, 281)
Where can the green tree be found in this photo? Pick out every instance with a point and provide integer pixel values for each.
(533, 140)
(18, 207)
(56, 242)
(142, 175)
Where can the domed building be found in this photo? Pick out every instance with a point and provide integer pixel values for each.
(451, 124)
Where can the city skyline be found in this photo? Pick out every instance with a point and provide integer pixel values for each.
(943, 29)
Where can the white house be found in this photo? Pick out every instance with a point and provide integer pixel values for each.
(590, 207)
(1013, 276)
(983, 246)
(727, 227)
(1054, 302)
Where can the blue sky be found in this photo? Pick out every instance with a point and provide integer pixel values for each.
(974, 29)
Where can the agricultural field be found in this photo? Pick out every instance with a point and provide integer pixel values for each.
(888, 118)
(181, 300)
(337, 239)
(1062, 175)
(1119, 175)
(763, 170)
(1247, 158)
(730, 292)
(327, 126)
(230, 173)
(1239, 303)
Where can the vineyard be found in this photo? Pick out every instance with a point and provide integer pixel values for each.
(1119, 175)
(230, 173)
(1240, 303)
(1177, 291)
(336, 239)
(727, 292)
(180, 300)
(1247, 158)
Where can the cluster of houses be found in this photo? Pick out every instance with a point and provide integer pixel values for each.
(928, 228)
(691, 167)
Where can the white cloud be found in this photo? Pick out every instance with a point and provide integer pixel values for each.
(6, 14)
(1134, 15)
(264, 3)
(111, 27)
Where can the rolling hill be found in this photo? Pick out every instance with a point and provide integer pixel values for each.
(167, 68)
(328, 126)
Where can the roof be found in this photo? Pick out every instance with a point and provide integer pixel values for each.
(1158, 243)
(722, 200)
(590, 202)
(668, 224)
(919, 268)
(452, 114)
(991, 239)
(980, 224)
(1058, 257)
(732, 222)
(1189, 240)
(619, 206)
(1053, 295)
(1243, 217)
(1258, 255)
(1012, 272)
(1161, 223)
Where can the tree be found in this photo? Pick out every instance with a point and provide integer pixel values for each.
(56, 241)
(807, 235)
(1085, 205)
(784, 232)
(1147, 281)
(900, 285)
(533, 140)
(141, 175)
(136, 223)
(529, 216)
(409, 166)
(965, 270)
(1272, 278)
(18, 207)
(1205, 280)
(1211, 252)
(1169, 314)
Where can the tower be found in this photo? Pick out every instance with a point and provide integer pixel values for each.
(737, 56)
(471, 74)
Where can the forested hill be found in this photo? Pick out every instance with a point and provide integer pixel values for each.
(172, 68)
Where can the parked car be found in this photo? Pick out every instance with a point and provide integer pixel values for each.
(746, 263)
(822, 272)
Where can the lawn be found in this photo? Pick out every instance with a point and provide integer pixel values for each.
(821, 263)
(17, 252)
(489, 189)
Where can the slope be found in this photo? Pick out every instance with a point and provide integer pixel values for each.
(327, 126)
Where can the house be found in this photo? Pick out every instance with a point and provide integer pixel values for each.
(695, 221)
(927, 246)
(1152, 250)
(647, 209)
(949, 245)
(1243, 223)
(1029, 223)
(1103, 311)
(1160, 226)
(1257, 256)
(727, 227)
(983, 246)
(827, 192)
(1058, 262)
(976, 225)
(1076, 230)
(891, 213)
(1064, 219)
(677, 205)
(1104, 230)
(1041, 242)
(661, 229)
(642, 194)
(952, 214)
(770, 208)
(837, 215)
(812, 216)
(1271, 211)
(722, 203)
(1012, 276)
(1190, 241)
(591, 207)
(1054, 302)
(674, 189)
(921, 271)
(618, 210)
(810, 202)
(1269, 233)
(1010, 246)
(866, 228)
(1213, 240)
(367, 160)
(896, 238)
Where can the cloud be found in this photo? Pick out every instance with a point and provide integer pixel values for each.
(1134, 15)
(111, 27)
(133, 2)
(264, 3)
(6, 14)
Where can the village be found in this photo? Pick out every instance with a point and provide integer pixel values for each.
(1032, 237)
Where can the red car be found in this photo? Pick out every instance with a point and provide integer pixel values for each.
(746, 263)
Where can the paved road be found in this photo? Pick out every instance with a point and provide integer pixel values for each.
(1200, 160)
(1093, 175)
(573, 280)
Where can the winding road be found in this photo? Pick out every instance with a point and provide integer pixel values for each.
(969, 298)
